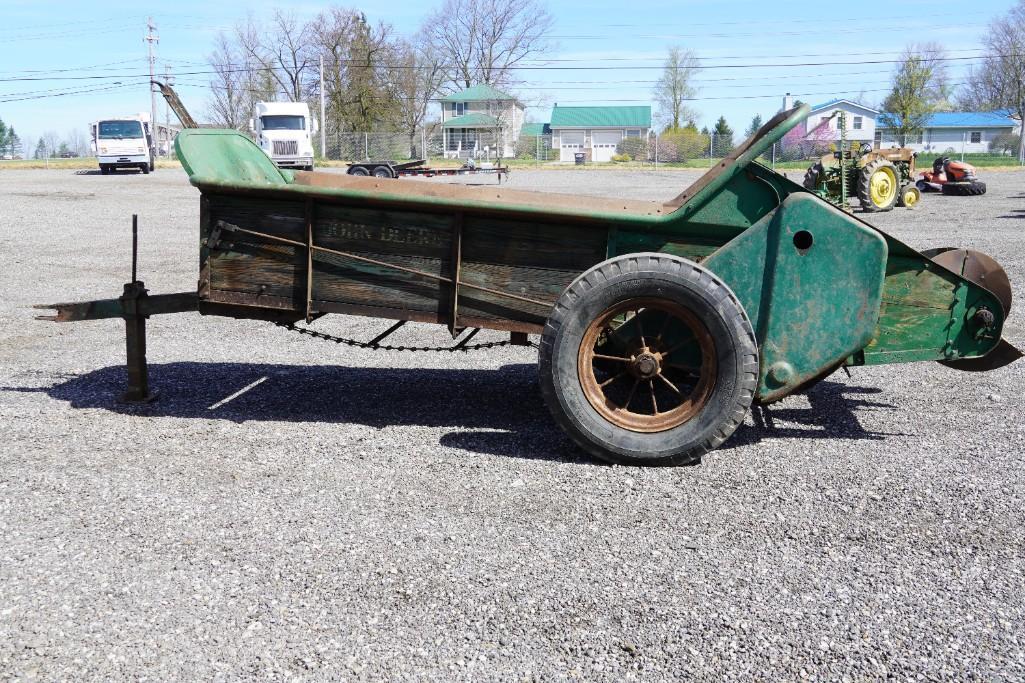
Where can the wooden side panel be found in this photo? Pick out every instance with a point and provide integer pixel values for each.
(532, 260)
(253, 265)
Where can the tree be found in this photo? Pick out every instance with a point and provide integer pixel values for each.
(40, 152)
(482, 41)
(754, 126)
(999, 82)
(14, 144)
(416, 84)
(674, 89)
(919, 86)
(4, 136)
(723, 135)
(237, 84)
(76, 141)
(283, 51)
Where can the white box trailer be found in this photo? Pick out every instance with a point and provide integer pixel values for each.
(284, 131)
(123, 142)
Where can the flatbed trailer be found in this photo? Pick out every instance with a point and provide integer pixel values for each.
(418, 168)
(660, 323)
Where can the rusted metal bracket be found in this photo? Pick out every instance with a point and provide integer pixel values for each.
(135, 345)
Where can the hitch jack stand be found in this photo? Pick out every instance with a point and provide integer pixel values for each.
(135, 345)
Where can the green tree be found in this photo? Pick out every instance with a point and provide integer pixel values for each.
(40, 152)
(4, 137)
(919, 86)
(723, 134)
(14, 143)
(755, 124)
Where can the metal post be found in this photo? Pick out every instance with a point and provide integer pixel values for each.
(152, 38)
(323, 120)
(656, 150)
(135, 247)
(537, 154)
(135, 330)
(366, 146)
(711, 147)
(964, 139)
(167, 114)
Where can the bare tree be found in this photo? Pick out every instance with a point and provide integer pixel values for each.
(920, 87)
(77, 142)
(417, 81)
(674, 88)
(283, 50)
(484, 40)
(231, 99)
(999, 82)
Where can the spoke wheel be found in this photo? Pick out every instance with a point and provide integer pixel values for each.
(647, 365)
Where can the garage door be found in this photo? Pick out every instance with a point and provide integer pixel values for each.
(604, 143)
(571, 144)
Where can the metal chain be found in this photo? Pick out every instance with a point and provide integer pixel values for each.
(384, 347)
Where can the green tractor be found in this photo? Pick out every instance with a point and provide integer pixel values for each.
(880, 179)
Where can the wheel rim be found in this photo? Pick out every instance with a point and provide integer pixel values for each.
(883, 186)
(911, 197)
(647, 365)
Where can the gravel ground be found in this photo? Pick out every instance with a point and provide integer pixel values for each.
(386, 516)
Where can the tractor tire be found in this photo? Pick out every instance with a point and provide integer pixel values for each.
(383, 172)
(910, 196)
(972, 189)
(358, 170)
(699, 374)
(812, 176)
(878, 186)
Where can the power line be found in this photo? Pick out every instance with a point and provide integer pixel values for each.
(232, 68)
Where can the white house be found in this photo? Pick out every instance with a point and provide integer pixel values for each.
(956, 132)
(480, 121)
(596, 131)
(825, 127)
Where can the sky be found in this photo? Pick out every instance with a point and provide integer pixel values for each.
(65, 64)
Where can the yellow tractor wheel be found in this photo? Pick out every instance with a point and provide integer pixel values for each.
(878, 186)
(910, 196)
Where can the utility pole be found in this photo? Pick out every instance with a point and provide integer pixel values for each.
(323, 120)
(167, 112)
(152, 38)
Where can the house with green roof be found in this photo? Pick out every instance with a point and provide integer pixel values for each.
(480, 121)
(596, 132)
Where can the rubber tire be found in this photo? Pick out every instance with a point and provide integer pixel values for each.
(359, 170)
(972, 189)
(383, 172)
(145, 169)
(812, 175)
(900, 196)
(864, 185)
(104, 170)
(645, 275)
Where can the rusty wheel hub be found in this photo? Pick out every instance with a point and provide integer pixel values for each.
(647, 365)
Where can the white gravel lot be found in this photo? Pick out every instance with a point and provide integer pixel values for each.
(386, 516)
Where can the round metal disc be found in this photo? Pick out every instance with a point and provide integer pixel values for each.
(980, 269)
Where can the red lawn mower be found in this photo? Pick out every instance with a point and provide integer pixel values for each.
(951, 178)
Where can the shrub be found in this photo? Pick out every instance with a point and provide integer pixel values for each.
(621, 157)
(635, 148)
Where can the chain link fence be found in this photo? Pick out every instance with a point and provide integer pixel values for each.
(689, 149)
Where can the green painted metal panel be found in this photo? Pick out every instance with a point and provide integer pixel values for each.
(811, 280)
(212, 155)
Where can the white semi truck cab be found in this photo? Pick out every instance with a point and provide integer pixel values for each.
(124, 142)
(284, 130)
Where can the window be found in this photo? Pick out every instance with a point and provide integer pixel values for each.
(117, 130)
(459, 108)
(825, 120)
(857, 123)
(976, 137)
(283, 122)
(633, 133)
(878, 138)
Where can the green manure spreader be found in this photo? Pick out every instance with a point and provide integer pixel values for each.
(660, 323)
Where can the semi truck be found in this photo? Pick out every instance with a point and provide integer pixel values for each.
(284, 131)
(124, 142)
